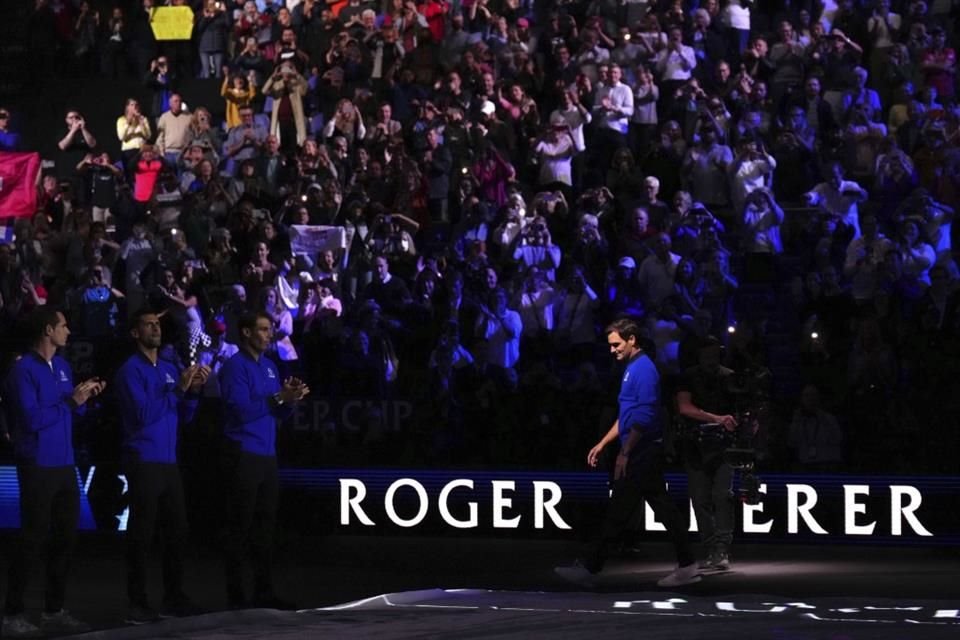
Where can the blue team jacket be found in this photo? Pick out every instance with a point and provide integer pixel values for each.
(250, 419)
(41, 410)
(151, 406)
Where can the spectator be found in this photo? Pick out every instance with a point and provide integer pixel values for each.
(839, 198)
(133, 131)
(9, 139)
(238, 91)
(75, 145)
(657, 272)
(210, 32)
(173, 131)
(287, 120)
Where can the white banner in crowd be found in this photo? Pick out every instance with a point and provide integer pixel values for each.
(312, 239)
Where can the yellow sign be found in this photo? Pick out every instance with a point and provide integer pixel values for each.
(172, 23)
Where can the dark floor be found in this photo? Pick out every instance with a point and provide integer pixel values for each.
(827, 592)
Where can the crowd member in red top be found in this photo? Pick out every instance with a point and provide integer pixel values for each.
(145, 175)
(939, 64)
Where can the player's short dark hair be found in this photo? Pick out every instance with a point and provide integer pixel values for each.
(35, 327)
(249, 320)
(626, 328)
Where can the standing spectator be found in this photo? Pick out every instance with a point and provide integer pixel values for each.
(939, 63)
(133, 131)
(9, 139)
(75, 145)
(287, 120)
(674, 64)
(613, 108)
(146, 171)
(254, 400)
(437, 165)
(705, 169)
(43, 400)
(211, 32)
(244, 141)
(762, 217)
(161, 80)
(883, 28)
(500, 327)
(736, 18)
(154, 399)
(839, 198)
(238, 91)
(555, 150)
(751, 169)
(173, 131)
(657, 273)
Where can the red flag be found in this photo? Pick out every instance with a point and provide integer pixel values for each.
(18, 184)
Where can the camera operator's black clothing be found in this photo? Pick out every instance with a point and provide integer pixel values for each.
(708, 475)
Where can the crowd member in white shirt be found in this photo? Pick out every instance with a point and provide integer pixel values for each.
(576, 116)
(555, 151)
(736, 17)
(762, 217)
(643, 125)
(751, 169)
(613, 107)
(500, 327)
(675, 65)
(839, 198)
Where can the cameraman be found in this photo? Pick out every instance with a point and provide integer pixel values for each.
(704, 396)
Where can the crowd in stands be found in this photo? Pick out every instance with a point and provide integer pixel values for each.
(491, 181)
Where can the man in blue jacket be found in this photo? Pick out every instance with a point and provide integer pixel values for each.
(42, 400)
(154, 397)
(638, 473)
(254, 400)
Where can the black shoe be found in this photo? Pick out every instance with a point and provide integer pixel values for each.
(273, 602)
(139, 614)
(180, 607)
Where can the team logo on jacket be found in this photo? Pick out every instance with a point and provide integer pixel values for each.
(170, 379)
(270, 373)
(63, 376)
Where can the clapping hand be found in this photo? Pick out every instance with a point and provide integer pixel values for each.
(293, 390)
(88, 389)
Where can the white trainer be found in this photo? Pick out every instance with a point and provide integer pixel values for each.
(681, 576)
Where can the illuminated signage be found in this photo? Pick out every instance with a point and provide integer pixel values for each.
(834, 508)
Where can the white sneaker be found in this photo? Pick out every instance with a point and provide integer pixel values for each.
(680, 576)
(576, 573)
(62, 622)
(19, 627)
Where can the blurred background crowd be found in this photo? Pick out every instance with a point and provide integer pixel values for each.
(441, 205)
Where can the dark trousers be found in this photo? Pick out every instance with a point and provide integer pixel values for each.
(643, 481)
(49, 510)
(606, 142)
(156, 497)
(251, 489)
(709, 485)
